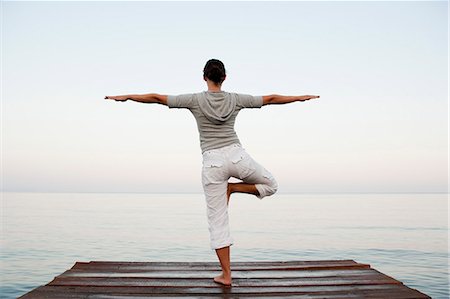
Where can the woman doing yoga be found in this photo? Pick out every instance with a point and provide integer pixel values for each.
(215, 111)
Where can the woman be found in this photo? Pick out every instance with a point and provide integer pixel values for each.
(215, 111)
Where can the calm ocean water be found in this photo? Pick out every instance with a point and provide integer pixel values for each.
(402, 235)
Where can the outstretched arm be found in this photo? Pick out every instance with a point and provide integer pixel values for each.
(279, 99)
(143, 98)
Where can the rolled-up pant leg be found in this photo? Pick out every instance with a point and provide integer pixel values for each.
(217, 213)
(215, 181)
(264, 181)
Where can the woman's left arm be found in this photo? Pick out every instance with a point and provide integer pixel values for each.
(142, 98)
(279, 99)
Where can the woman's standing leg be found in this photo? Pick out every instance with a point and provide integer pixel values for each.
(215, 181)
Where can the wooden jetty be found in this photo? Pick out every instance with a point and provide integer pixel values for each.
(290, 279)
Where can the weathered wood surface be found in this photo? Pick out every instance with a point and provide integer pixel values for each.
(291, 279)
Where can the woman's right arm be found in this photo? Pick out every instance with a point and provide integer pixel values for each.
(279, 99)
(143, 98)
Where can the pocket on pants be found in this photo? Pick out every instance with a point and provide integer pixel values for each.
(243, 163)
(213, 169)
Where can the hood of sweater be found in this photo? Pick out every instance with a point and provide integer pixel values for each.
(217, 107)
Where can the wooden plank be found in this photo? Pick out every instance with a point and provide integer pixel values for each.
(237, 263)
(131, 266)
(160, 268)
(380, 291)
(236, 274)
(243, 290)
(207, 282)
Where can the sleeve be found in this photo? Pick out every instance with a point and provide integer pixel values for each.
(180, 101)
(249, 101)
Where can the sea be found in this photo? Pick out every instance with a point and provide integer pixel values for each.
(404, 236)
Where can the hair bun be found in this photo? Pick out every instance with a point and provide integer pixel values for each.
(215, 71)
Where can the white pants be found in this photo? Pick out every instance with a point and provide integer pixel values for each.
(218, 166)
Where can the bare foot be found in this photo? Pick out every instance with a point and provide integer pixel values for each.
(222, 280)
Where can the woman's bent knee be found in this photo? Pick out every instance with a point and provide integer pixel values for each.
(272, 187)
(267, 189)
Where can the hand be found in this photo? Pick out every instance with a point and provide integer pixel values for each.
(117, 98)
(309, 97)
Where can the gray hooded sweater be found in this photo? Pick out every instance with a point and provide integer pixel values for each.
(215, 113)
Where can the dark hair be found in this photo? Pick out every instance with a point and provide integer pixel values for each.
(214, 70)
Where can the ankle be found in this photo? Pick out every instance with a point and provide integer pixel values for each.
(226, 273)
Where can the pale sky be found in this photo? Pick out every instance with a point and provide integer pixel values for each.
(381, 69)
